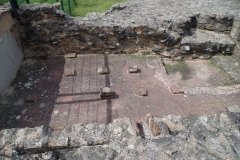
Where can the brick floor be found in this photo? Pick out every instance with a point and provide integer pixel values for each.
(65, 100)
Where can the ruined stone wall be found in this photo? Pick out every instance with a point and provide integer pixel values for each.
(46, 30)
(170, 137)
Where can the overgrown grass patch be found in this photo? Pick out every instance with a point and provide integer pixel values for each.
(84, 7)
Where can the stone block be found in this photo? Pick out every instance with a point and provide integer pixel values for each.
(141, 92)
(234, 108)
(70, 72)
(133, 69)
(36, 137)
(176, 90)
(103, 70)
(21, 137)
(58, 139)
(71, 55)
(105, 93)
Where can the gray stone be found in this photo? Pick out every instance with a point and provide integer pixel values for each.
(102, 70)
(133, 69)
(234, 108)
(105, 93)
(58, 139)
(36, 137)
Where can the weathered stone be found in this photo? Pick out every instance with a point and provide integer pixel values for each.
(154, 128)
(58, 139)
(141, 92)
(71, 55)
(234, 108)
(103, 70)
(36, 137)
(70, 72)
(157, 48)
(105, 93)
(176, 90)
(133, 69)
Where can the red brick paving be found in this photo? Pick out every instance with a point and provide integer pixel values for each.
(67, 100)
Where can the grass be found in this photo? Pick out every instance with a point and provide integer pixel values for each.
(84, 7)
(81, 8)
(179, 66)
(142, 57)
(3, 1)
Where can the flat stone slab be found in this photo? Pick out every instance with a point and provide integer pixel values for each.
(231, 65)
(197, 73)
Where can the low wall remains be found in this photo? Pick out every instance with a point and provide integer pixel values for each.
(129, 27)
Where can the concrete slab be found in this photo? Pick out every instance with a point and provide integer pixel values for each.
(10, 60)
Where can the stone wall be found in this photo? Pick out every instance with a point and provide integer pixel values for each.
(170, 137)
(46, 30)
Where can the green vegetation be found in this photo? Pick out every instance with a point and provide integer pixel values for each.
(142, 57)
(3, 1)
(178, 66)
(87, 6)
(80, 8)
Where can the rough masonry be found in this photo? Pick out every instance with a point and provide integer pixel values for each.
(174, 29)
(170, 137)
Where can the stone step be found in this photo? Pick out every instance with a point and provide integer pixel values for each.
(230, 64)
(208, 43)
